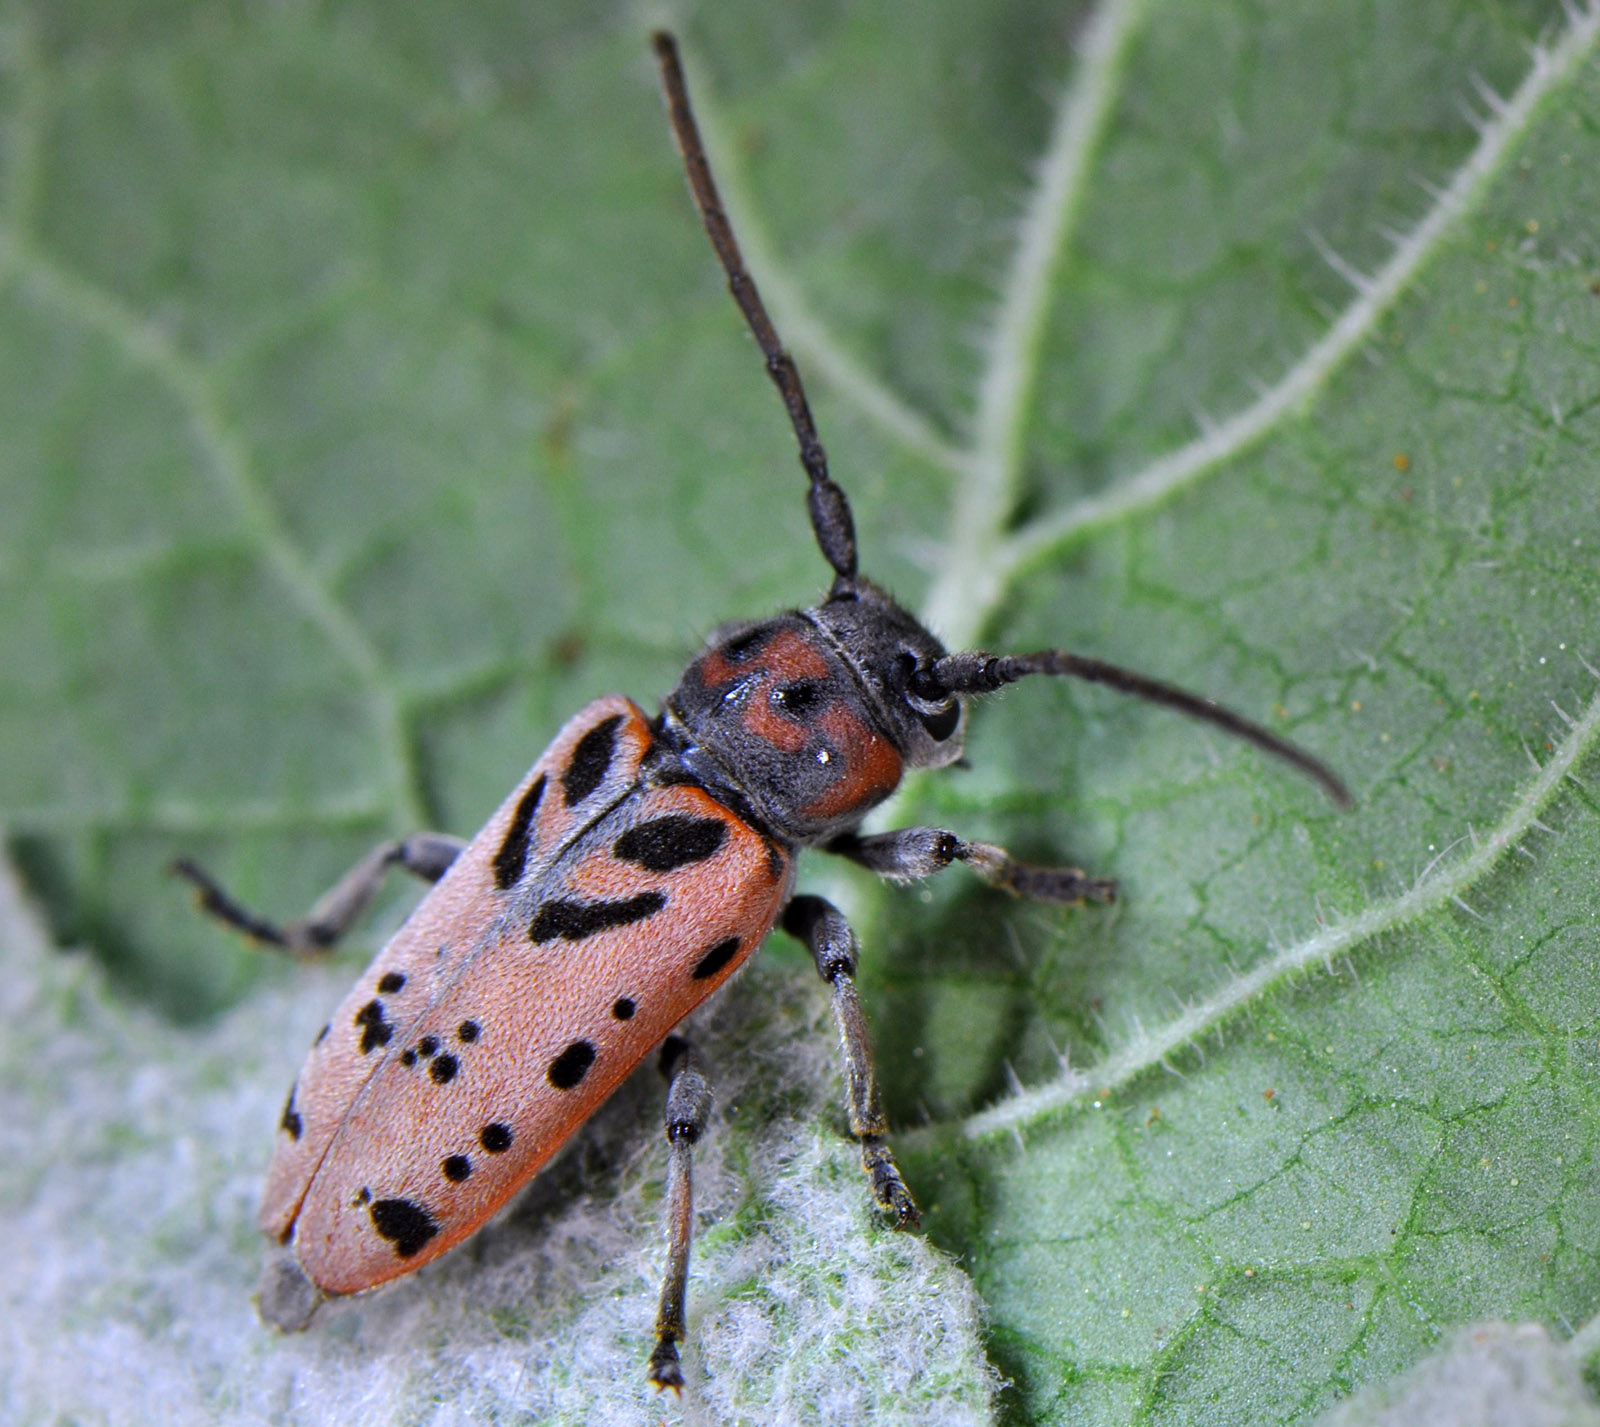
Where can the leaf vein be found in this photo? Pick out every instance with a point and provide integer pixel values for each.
(969, 579)
(143, 343)
(1375, 296)
(1443, 882)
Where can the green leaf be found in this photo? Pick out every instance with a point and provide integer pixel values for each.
(369, 401)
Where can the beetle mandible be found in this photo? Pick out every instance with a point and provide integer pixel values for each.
(632, 871)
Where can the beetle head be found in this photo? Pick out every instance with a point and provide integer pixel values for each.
(892, 656)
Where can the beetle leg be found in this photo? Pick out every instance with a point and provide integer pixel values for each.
(824, 930)
(912, 852)
(688, 1105)
(427, 855)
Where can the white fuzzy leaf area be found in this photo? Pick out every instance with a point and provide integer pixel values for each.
(369, 402)
(128, 1192)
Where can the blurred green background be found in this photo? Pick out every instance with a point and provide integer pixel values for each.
(369, 400)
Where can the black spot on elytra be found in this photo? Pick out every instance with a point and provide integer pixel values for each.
(573, 921)
(467, 1032)
(568, 1069)
(590, 760)
(623, 1009)
(774, 860)
(365, 1197)
(663, 843)
(390, 981)
(444, 1069)
(375, 1031)
(428, 1045)
(408, 1058)
(715, 959)
(513, 854)
(456, 1168)
(495, 1138)
(291, 1116)
(405, 1223)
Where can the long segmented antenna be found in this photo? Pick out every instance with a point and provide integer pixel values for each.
(830, 510)
(980, 673)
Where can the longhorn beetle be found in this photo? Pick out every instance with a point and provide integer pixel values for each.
(633, 870)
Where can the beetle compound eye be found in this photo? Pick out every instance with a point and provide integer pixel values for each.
(939, 722)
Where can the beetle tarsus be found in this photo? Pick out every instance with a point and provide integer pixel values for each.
(1066, 885)
(888, 1188)
(665, 1369)
(214, 901)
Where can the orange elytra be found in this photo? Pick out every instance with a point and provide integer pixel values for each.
(637, 865)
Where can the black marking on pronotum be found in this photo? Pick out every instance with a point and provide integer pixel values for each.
(443, 1070)
(568, 1069)
(456, 1168)
(624, 1008)
(513, 854)
(798, 699)
(742, 646)
(390, 981)
(375, 1031)
(467, 1032)
(291, 1116)
(590, 760)
(495, 1138)
(573, 921)
(715, 959)
(405, 1223)
(663, 843)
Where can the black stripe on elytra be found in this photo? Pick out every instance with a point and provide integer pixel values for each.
(671, 773)
(513, 854)
(572, 921)
(405, 1223)
(663, 843)
(715, 959)
(590, 760)
(774, 859)
(291, 1117)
